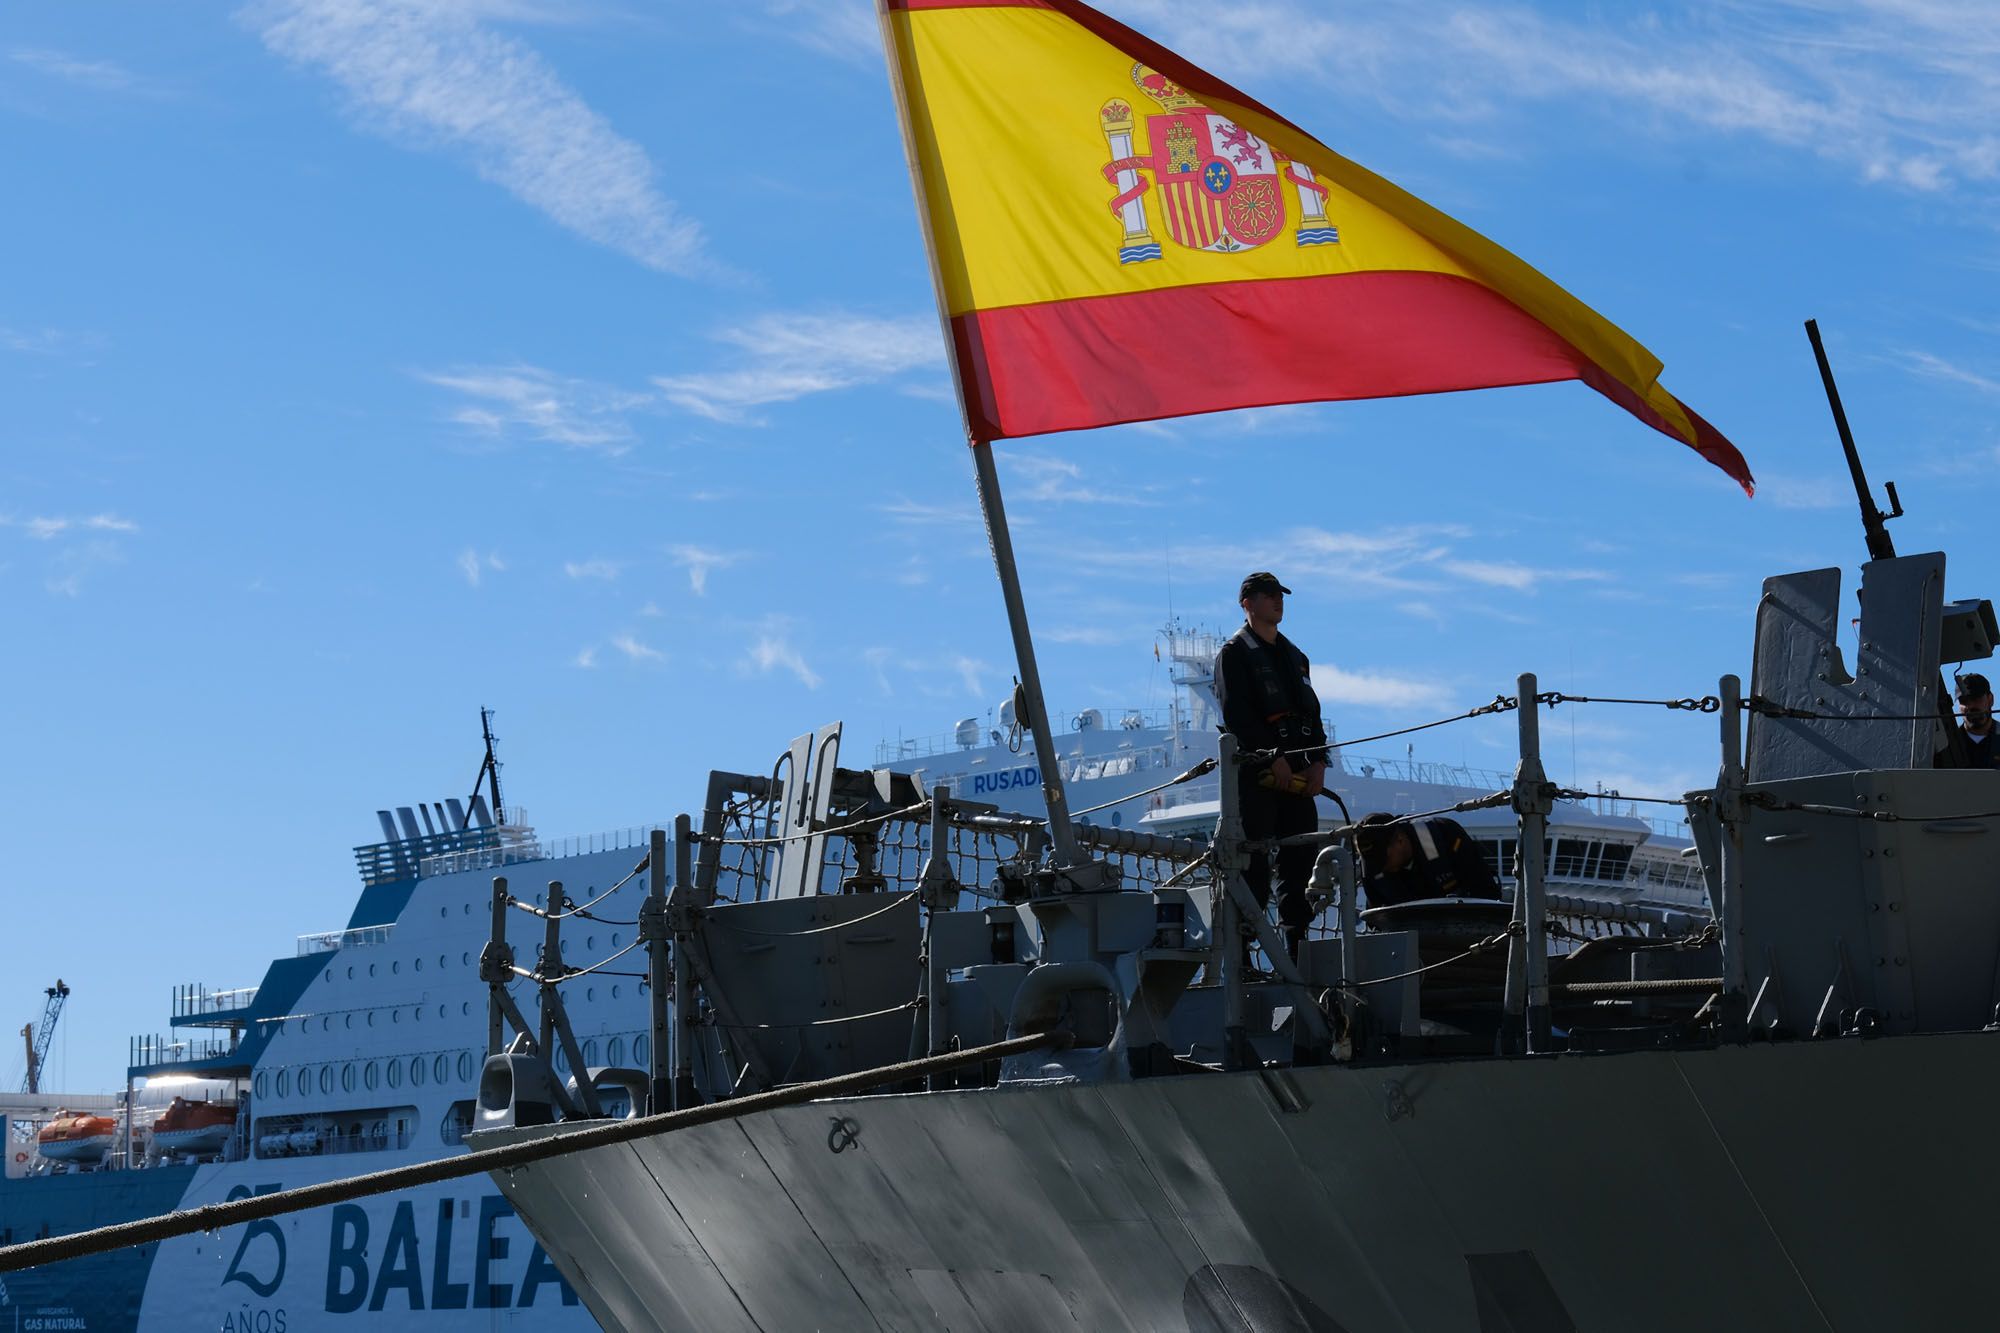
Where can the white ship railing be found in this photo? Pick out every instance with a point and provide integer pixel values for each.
(537, 849)
(194, 1001)
(326, 941)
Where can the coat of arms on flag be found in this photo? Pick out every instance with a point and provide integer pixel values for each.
(1221, 188)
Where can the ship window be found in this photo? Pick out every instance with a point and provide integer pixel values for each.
(347, 1078)
(329, 974)
(590, 1052)
(350, 974)
(396, 1015)
(326, 1023)
(395, 1073)
(416, 1071)
(1617, 862)
(464, 1007)
(562, 1058)
(371, 1075)
(468, 909)
(465, 1066)
(616, 990)
(283, 1082)
(590, 994)
(443, 961)
(395, 969)
(441, 1012)
(614, 1053)
(417, 963)
(326, 1078)
(444, 912)
(262, 1083)
(642, 1049)
(457, 1122)
(441, 1068)
(1569, 860)
(615, 938)
(371, 1018)
(347, 1021)
(371, 969)
(465, 959)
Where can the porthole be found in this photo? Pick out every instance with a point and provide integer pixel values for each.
(262, 1084)
(283, 1083)
(615, 938)
(444, 912)
(590, 994)
(465, 1008)
(642, 1049)
(590, 941)
(590, 1052)
(468, 909)
(417, 963)
(441, 1068)
(395, 969)
(370, 1076)
(347, 1078)
(326, 1078)
(614, 1052)
(441, 1011)
(326, 1023)
(443, 961)
(396, 1015)
(465, 1066)
(329, 974)
(371, 969)
(416, 1071)
(347, 1020)
(615, 991)
(371, 1018)
(350, 974)
(562, 1058)
(465, 960)
(395, 1073)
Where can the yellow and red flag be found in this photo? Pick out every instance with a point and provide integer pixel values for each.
(1121, 236)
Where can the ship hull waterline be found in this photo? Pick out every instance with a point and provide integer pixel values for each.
(1843, 1184)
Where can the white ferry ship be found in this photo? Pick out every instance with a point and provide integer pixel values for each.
(361, 1049)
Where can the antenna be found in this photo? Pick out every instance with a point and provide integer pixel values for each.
(489, 768)
(1880, 547)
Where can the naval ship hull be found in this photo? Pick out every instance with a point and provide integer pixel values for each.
(1845, 1184)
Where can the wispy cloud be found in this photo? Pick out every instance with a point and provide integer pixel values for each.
(773, 650)
(1054, 480)
(607, 570)
(924, 513)
(473, 565)
(561, 410)
(585, 660)
(46, 527)
(73, 565)
(1792, 492)
(972, 672)
(850, 32)
(433, 76)
(1937, 368)
(104, 76)
(636, 650)
(1903, 92)
(787, 357)
(1374, 689)
(698, 561)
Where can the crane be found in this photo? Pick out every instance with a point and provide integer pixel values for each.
(38, 1039)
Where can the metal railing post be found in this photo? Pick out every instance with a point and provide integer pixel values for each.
(683, 900)
(939, 894)
(1527, 995)
(659, 972)
(1227, 925)
(1350, 929)
(550, 971)
(1729, 784)
(495, 962)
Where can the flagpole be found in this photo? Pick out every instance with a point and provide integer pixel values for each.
(1048, 763)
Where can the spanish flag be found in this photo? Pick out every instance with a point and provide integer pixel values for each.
(1120, 236)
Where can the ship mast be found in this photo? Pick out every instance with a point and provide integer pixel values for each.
(489, 768)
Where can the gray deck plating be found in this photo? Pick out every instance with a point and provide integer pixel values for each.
(1821, 1185)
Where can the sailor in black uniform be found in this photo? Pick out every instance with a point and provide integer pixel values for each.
(1264, 685)
(1420, 858)
(1974, 744)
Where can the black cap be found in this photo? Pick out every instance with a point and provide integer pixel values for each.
(1371, 841)
(1971, 685)
(1262, 581)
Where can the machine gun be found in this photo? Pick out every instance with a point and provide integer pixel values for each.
(1873, 520)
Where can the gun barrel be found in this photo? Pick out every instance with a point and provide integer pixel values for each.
(1880, 545)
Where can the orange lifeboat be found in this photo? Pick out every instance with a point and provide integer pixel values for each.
(76, 1137)
(194, 1127)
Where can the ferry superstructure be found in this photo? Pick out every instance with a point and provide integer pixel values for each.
(361, 1049)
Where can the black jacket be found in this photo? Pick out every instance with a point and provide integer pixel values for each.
(1447, 863)
(1267, 700)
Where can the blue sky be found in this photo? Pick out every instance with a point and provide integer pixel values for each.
(366, 361)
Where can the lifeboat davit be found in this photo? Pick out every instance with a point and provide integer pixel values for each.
(194, 1127)
(75, 1137)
